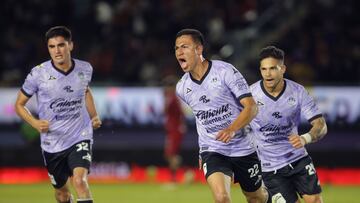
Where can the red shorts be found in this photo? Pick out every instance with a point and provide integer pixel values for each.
(172, 143)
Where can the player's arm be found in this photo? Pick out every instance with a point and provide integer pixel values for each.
(246, 115)
(91, 109)
(317, 132)
(40, 125)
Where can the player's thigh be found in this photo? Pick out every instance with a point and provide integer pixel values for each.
(57, 167)
(306, 179)
(80, 156)
(313, 198)
(219, 184)
(280, 185)
(247, 172)
(214, 162)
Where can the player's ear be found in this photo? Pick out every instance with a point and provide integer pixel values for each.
(283, 68)
(199, 49)
(71, 45)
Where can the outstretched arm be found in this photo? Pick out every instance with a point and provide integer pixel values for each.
(91, 109)
(317, 132)
(246, 115)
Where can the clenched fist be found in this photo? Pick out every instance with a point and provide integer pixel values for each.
(41, 125)
(96, 122)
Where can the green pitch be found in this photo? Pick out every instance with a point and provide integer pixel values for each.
(152, 193)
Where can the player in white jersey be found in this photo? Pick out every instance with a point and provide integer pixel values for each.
(67, 115)
(222, 104)
(287, 168)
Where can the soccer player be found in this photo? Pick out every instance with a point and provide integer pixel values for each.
(174, 125)
(286, 166)
(222, 104)
(67, 115)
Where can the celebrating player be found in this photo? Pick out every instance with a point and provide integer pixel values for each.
(287, 168)
(222, 104)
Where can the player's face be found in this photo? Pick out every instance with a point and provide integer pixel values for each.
(60, 50)
(187, 52)
(272, 71)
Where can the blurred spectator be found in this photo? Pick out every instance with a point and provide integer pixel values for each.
(125, 38)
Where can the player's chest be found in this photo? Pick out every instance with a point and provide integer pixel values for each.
(56, 85)
(280, 110)
(210, 93)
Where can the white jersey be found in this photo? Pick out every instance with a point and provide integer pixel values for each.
(215, 102)
(279, 117)
(61, 101)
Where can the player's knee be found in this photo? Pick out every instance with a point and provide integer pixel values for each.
(62, 196)
(80, 182)
(222, 197)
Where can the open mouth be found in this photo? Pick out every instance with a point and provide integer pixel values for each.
(182, 62)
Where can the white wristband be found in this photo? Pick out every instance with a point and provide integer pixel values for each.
(307, 137)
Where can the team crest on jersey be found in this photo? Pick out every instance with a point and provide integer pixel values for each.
(291, 101)
(81, 75)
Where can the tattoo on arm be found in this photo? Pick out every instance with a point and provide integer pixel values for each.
(318, 130)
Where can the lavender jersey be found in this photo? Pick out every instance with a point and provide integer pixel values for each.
(61, 101)
(278, 117)
(215, 103)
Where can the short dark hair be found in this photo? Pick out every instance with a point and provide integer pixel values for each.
(196, 35)
(58, 31)
(272, 51)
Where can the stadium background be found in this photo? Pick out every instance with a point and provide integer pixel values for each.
(130, 45)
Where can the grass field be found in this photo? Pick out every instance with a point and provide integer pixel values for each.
(152, 193)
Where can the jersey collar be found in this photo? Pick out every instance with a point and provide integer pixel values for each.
(203, 77)
(63, 72)
(269, 95)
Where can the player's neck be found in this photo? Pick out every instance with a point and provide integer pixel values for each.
(200, 70)
(64, 66)
(277, 89)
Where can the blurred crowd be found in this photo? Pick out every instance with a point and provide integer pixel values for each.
(131, 42)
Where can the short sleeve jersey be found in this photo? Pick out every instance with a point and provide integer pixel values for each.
(215, 102)
(61, 101)
(279, 117)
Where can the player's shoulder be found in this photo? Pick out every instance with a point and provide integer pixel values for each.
(42, 67)
(181, 83)
(82, 64)
(294, 86)
(222, 65)
(255, 86)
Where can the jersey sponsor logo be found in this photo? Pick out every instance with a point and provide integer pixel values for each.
(61, 105)
(241, 84)
(87, 157)
(52, 78)
(188, 90)
(68, 89)
(52, 179)
(212, 112)
(204, 99)
(277, 115)
(259, 103)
